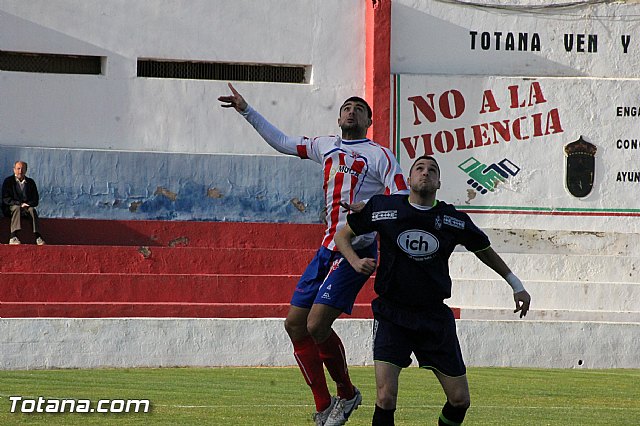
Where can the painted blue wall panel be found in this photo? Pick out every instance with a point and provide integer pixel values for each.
(164, 186)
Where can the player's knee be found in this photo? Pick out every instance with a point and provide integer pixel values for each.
(318, 330)
(462, 401)
(386, 395)
(386, 400)
(295, 329)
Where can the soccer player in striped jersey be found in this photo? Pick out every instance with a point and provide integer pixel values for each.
(417, 236)
(355, 169)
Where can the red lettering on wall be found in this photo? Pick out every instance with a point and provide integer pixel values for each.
(426, 108)
(450, 103)
(553, 122)
(489, 103)
(412, 147)
(535, 96)
(445, 104)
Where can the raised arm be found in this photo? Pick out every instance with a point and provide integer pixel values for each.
(235, 100)
(522, 298)
(343, 242)
(271, 134)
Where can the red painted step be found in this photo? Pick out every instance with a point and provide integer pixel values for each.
(176, 310)
(158, 269)
(156, 260)
(172, 233)
(147, 288)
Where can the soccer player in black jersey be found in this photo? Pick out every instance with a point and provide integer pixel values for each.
(417, 236)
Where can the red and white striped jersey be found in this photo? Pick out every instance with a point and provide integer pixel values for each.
(353, 171)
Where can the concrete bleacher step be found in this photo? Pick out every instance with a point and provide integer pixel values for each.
(549, 295)
(571, 276)
(528, 241)
(475, 313)
(552, 267)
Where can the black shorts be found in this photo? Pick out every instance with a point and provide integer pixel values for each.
(432, 339)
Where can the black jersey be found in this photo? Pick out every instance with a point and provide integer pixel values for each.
(415, 246)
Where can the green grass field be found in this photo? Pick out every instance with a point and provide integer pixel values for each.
(278, 396)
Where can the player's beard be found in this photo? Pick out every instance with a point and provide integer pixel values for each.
(423, 188)
(352, 130)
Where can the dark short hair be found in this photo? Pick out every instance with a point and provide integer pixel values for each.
(359, 100)
(424, 157)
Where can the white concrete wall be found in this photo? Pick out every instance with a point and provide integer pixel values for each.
(100, 146)
(126, 342)
(119, 111)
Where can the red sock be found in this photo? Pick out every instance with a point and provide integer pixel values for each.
(306, 354)
(334, 358)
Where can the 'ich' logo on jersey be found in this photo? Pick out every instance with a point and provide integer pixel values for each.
(418, 244)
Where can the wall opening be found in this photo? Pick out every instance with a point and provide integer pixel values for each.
(50, 63)
(223, 71)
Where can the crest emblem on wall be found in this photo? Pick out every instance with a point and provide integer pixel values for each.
(580, 167)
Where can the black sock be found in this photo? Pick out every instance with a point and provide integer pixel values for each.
(14, 234)
(37, 235)
(451, 416)
(382, 417)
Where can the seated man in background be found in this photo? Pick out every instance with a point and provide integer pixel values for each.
(20, 198)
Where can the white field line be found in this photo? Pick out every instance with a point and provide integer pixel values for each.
(474, 406)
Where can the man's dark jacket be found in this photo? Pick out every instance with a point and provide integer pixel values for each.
(11, 196)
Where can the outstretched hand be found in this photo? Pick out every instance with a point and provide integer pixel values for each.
(355, 207)
(235, 100)
(523, 301)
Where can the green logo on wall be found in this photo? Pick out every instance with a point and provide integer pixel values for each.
(485, 178)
